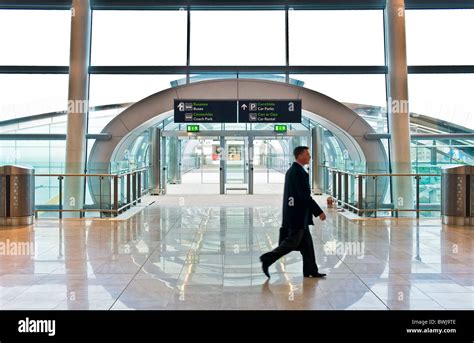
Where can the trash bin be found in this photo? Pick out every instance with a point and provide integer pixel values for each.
(17, 195)
(457, 195)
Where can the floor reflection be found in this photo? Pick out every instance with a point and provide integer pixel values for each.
(203, 253)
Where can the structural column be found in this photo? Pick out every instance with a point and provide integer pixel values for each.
(398, 111)
(155, 159)
(222, 165)
(251, 165)
(317, 149)
(164, 171)
(78, 103)
(174, 169)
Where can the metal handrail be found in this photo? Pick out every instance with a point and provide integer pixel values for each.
(77, 175)
(382, 174)
(93, 175)
(338, 175)
(134, 194)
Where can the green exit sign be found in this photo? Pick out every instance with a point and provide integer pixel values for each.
(192, 128)
(281, 128)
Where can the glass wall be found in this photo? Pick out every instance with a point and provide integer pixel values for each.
(120, 90)
(440, 100)
(35, 38)
(446, 97)
(336, 38)
(440, 37)
(157, 41)
(365, 94)
(238, 38)
(139, 38)
(25, 95)
(437, 38)
(46, 157)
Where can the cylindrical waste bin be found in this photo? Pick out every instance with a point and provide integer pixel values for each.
(17, 195)
(457, 195)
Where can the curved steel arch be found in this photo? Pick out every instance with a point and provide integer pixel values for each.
(345, 123)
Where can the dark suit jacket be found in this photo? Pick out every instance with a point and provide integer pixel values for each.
(298, 205)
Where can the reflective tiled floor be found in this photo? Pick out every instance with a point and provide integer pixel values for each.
(206, 181)
(202, 253)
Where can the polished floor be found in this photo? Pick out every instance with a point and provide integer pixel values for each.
(206, 181)
(201, 252)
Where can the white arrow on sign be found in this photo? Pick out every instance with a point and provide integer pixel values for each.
(244, 107)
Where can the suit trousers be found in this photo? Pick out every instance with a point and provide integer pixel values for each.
(295, 240)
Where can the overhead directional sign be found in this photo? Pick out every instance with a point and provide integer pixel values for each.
(232, 111)
(270, 111)
(205, 111)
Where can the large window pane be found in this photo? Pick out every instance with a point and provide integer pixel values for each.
(48, 124)
(120, 89)
(443, 96)
(440, 37)
(336, 38)
(117, 89)
(365, 94)
(34, 37)
(139, 38)
(46, 157)
(24, 95)
(238, 38)
(357, 89)
(217, 76)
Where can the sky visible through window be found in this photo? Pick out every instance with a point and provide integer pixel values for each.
(218, 38)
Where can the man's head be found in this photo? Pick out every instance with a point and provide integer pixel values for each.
(302, 155)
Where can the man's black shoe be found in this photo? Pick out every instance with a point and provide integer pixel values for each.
(315, 275)
(265, 266)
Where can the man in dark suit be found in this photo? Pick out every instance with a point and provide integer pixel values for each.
(298, 210)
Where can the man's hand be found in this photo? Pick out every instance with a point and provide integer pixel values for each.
(322, 216)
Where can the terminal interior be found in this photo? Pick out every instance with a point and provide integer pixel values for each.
(135, 209)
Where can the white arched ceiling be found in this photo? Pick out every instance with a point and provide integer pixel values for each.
(347, 125)
(342, 121)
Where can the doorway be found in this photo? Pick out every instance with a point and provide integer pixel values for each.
(198, 162)
(236, 165)
(249, 162)
(271, 161)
